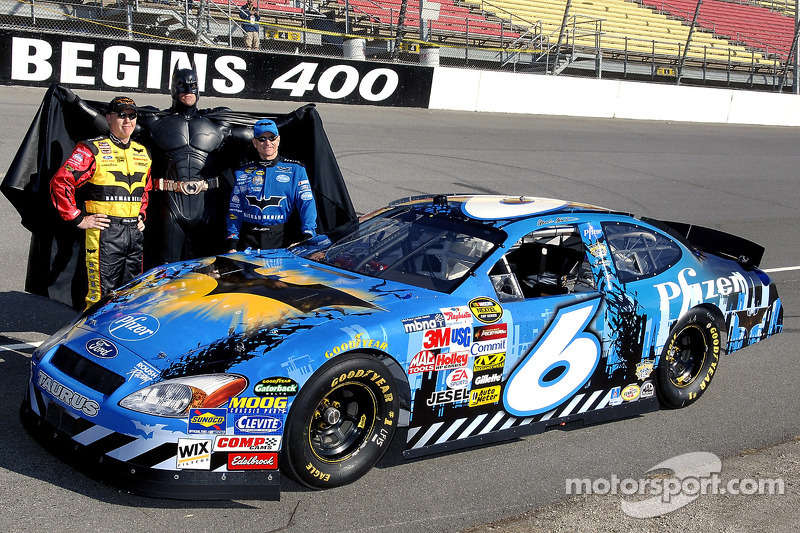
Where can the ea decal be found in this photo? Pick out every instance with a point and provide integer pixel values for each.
(134, 327)
(459, 378)
(102, 348)
(486, 310)
(276, 386)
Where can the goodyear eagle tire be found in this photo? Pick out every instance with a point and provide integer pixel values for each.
(689, 359)
(341, 423)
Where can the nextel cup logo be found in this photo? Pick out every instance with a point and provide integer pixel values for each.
(134, 327)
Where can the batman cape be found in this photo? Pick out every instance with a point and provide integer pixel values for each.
(55, 266)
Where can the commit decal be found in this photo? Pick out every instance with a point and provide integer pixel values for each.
(41, 59)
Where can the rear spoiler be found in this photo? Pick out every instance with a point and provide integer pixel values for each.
(712, 241)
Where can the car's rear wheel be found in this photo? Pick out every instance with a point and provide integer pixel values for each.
(341, 423)
(689, 359)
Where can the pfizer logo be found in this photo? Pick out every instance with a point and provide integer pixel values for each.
(102, 348)
(134, 327)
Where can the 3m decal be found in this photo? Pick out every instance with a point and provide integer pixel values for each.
(560, 363)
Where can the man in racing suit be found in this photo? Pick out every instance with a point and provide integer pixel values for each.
(110, 178)
(265, 194)
(193, 207)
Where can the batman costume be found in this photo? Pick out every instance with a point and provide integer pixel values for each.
(188, 172)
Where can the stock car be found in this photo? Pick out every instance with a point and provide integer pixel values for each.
(467, 319)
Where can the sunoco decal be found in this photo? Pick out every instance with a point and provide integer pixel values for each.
(208, 421)
(486, 310)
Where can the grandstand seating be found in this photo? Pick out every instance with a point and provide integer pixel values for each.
(754, 26)
(452, 18)
(268, 6)
(624, 25)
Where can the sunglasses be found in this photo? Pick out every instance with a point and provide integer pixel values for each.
(271, 139)
(131, 116)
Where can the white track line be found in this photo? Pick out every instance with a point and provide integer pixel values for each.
(783, 269)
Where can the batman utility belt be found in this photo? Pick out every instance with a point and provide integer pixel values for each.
(185, 187)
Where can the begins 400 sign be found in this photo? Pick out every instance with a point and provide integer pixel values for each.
(96, 63)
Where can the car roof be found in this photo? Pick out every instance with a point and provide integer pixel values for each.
(503, 207)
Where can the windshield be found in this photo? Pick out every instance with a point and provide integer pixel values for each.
(422, 247)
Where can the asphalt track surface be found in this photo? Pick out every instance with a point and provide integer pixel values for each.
(734, 178)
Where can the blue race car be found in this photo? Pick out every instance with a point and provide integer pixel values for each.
(468, 319)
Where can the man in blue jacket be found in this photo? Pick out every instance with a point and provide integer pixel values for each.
(250, 14)
(266, 193)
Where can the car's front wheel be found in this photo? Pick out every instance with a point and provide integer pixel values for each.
(341, 423)
(689, 359)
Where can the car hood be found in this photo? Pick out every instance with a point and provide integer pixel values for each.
(233, 306)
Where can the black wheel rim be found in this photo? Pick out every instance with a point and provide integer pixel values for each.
(342, 421)
(687, 356)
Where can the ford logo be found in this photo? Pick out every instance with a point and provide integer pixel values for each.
(102, 348)
(134, 327)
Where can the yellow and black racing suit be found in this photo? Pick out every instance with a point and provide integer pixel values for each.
(114, 179)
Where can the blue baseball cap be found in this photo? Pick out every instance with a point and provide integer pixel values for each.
(265, 126)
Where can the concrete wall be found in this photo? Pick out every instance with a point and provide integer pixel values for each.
(505, 92)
